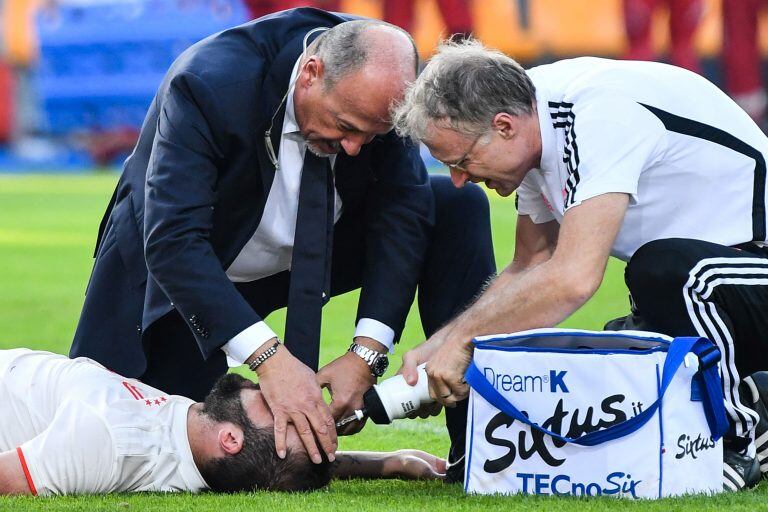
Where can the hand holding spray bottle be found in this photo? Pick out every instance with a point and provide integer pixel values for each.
(393, 399)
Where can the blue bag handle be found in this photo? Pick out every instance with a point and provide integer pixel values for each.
(714, 409)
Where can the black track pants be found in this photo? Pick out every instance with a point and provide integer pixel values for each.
(684, 287)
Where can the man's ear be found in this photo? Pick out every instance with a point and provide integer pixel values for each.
(506, 124)
(230, 438)
(312, 71)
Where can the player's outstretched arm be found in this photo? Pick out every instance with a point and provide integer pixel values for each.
(403, 464)
(12, 479)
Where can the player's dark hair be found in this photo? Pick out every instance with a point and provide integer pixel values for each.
(256, 466)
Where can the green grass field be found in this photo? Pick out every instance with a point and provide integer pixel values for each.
(47, 229)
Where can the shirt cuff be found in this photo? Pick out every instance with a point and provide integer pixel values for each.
(240, 348)
(378, 331)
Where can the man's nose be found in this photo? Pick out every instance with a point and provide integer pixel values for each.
(459, 178)
(352, 143)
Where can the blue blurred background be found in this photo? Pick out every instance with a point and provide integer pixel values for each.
(76, 76)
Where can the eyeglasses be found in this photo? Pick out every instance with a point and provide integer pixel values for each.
(460, 164)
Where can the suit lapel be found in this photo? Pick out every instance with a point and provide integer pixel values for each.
(271, 93)
(273, 90)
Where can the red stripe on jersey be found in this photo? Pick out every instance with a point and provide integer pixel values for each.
(134, 393)
(24, 467)
(137, 391)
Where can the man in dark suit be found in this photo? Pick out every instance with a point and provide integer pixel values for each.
(266, 175)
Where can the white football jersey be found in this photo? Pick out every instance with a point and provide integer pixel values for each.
(79, 428)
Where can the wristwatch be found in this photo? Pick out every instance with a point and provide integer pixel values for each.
(376, 361)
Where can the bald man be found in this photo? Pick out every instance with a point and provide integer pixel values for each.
(267, 175)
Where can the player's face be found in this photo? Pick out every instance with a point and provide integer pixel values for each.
(500, 158)
(260, 415)
(346, 116)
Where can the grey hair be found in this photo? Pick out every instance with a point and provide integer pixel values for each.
(344, 49)
(464, 86)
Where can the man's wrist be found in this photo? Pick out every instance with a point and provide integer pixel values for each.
(262, 358)
(376, 330)
(465, 340)
(370, 343)
(246, 342)
(361, 364)
(274, 363)
(376, 361)
(458, 337)
(261, 349)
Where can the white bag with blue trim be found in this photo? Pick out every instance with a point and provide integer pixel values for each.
(568, 412)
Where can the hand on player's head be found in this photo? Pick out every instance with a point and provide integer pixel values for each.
(256, 465)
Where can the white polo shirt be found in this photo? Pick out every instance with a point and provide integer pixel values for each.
(691, 160)
(79, 428)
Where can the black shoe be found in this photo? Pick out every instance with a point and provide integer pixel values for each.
(631, 322)
(739, 470)
(454, 471)
(456, 421)
(753, 391)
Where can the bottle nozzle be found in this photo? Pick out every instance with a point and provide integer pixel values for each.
(359, 415)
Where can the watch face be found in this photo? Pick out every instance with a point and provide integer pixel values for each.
(380, 366)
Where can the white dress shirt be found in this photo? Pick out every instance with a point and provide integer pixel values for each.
(270, 249)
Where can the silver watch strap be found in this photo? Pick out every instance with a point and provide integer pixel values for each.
(369, 355)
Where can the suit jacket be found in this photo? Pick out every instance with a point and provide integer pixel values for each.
(194, 189)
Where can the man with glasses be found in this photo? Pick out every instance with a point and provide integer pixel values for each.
(460, 165)
(643, 161)
(267, 175)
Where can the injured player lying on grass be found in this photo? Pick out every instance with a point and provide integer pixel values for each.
(72, 426)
